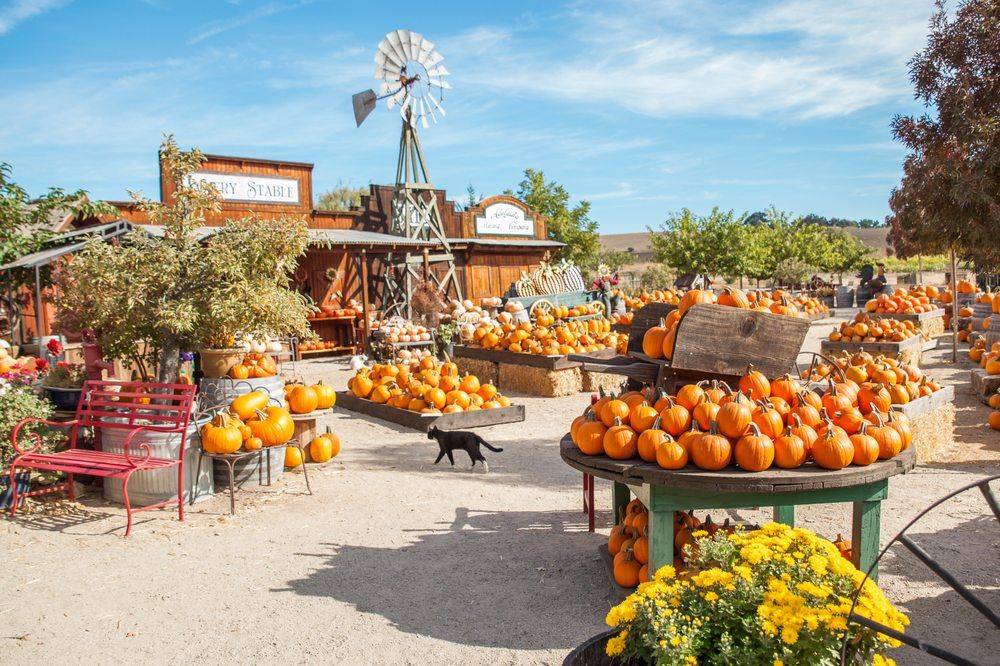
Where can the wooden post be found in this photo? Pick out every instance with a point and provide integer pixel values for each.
(38, 309)
(427, 265)
(954, 309)
(365, 333)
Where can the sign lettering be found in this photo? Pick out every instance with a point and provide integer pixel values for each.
(251, 189)
(504, 219)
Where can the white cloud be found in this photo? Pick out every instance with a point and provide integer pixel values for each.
(219, 27)
(804, 58)
(17, 11)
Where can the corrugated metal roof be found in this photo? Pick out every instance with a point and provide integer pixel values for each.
(358, 237)
(50, 254)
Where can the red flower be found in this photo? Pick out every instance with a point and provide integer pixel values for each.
(54, 346)
(41, 364)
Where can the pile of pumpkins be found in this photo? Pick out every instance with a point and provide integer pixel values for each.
(647, 297)
(255, 365)
(249, 423)
(468, 312)
(809, 306)
(988, 359)
(904, 382)
(405, 331)
(945, 297)
(914, 301)
(322, 448)
(629, 544)
(762, 423)
(864, 328)
(302, 399)
(560, 339)
(428, 387)
(544, 317)
(994, 418)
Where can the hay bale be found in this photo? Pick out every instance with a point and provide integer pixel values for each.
(539, 381)
(595, 381)
(911, 355)
(933, 326)
(933, 433)
(487, 371)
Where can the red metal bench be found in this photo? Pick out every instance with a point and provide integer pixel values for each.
(135, 407)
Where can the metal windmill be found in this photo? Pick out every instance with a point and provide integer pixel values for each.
(411, 74)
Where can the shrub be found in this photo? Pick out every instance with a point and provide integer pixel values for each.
(18, 401)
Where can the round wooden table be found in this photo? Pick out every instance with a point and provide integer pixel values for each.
(666, 491)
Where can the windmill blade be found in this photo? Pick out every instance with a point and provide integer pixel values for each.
(423, 114)
(407, 100)
(404, 43)
(387, 72)
(415, 39)
(430, 111)
(437, 106)
(440, 83)
(384, 89)
(396, 45)
(397, 98)
(438, 71)
(426, 46)
(388, 52)
(431, 59)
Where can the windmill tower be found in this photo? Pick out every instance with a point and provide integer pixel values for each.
(411, 74)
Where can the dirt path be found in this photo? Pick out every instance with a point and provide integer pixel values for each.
(395, 560)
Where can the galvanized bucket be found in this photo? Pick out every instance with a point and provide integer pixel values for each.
(159, 485)
(845, 297)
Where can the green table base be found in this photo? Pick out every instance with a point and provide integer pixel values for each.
(663, 501)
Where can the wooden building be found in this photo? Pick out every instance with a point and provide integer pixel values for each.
(492, 243)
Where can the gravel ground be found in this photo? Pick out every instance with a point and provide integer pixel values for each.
(395, 560)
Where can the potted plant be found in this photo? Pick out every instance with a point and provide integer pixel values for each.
(150, 297)
(769, 596)
(445, 336)
(18, 400)
(63, 385)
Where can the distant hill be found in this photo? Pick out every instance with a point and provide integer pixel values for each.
(639, 246)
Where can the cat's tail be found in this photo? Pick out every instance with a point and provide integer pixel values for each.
(488, 445)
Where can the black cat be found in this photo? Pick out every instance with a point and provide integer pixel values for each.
(450, 440)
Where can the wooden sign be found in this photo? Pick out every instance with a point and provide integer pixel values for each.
(251, 188)
(504, 219)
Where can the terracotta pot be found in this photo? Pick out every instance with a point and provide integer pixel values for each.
(217, 362)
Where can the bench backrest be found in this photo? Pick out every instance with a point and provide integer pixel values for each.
(128, 405)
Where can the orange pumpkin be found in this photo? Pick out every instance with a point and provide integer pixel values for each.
(620, 441)
(302, 399)
(649, 439)
(790, 451)
(711, 450)
(754, 451)
(671, 454)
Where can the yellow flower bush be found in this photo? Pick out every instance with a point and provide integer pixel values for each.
(777, 595)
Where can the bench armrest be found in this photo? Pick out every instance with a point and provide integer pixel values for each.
(38, 439)
(142, 445)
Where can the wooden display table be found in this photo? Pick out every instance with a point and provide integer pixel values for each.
(423, 422)
(665, 491)
(908, 351)
(931, 323)
(532, 374)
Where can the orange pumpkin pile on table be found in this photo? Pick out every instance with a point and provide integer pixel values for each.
(647, 297)
(560, 339)
(428, 387)
(902, 382)
(254, 366)
(809, 306)
(901, 302)
(865, 328)
(250, 423)
(628, 542)
(304, 399)
(762, 423)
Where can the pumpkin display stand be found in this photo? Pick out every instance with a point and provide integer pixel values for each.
(664, 492)
(532, 374)
(984, 385)
(908, 351)
(712, 342)
(423, 422)
(305, 431)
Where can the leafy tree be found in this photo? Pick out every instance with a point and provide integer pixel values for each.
(657, 277)
(569, 225)
(613, 259)
(951, 177)
(714, 244)
(25, 222)
(341, 197)
(846, 253)
(151, 297)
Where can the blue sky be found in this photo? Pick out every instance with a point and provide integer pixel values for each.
(640, 107)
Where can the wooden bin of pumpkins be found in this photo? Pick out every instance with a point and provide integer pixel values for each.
(427, 393)
(531, 357)
(893, 386)
(705, 337)
(985, 379)
(763, 442)
(918, 305)
(899, 338)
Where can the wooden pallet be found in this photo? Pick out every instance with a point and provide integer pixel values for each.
(423, 422)
(917, 317)
(550, 363)
(984, 385)
(928, 403)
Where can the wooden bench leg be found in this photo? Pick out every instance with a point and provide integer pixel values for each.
(865, 534)
(661, 540)
(619, 500)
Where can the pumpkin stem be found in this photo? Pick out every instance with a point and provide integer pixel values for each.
(656, 424)
(714, 428)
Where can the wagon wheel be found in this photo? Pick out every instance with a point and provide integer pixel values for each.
(603, 306)
(939, 571)
(814, 359)
(542, 304)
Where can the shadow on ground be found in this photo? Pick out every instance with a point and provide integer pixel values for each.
(543, 563)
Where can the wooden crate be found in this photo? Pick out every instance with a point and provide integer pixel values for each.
(908, 350)
(423, 422)
(932, 420)
(984, 385)
(547, 376)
